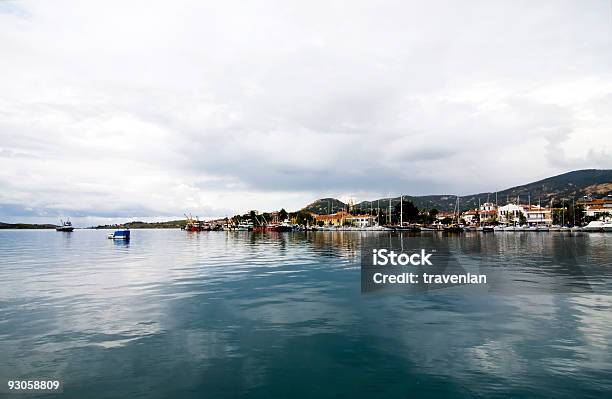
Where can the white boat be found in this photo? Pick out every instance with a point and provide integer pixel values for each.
(555, 228)
(598, 225)
(499, 228)
(565, 229)
(576, 228)
(542, 228)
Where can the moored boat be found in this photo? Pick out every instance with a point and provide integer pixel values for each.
(65, 227)
(598, 225)
(453, 228)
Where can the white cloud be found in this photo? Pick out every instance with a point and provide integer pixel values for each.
(145, 109)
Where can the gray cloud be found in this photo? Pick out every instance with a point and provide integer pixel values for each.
(218, 109)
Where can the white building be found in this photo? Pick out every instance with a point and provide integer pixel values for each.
(361, 221)
(510, 213)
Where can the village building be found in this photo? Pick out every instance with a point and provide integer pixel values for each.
(488, 212)
(510, 213)
(596, 208)
(470, 217)
(538, 215)
(343, 218)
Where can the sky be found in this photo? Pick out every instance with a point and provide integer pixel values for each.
(124, 110)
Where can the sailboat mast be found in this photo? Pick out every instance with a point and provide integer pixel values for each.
(401, 210)
(563, 212)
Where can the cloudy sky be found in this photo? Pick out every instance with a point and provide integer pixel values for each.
(115, 110)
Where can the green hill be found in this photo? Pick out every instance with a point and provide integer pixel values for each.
(26, 226)
(325, 206)
(596, 182)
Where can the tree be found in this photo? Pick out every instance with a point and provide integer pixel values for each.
(282, 214)
(432, 215)
(522, 218)
(304, 218)
(447, 220)
(409, 210)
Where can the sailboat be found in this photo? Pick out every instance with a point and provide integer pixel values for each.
(454, 228)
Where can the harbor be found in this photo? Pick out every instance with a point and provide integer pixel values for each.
(587, 214)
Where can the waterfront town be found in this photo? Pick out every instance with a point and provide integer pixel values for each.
(586, 213)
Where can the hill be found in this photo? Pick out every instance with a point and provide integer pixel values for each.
(596, 182)
(171, 224)
(26, 226)
(324, 206)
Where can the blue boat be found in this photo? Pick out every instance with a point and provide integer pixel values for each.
(123, 234)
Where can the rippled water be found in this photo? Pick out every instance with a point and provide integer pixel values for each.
(179, 315)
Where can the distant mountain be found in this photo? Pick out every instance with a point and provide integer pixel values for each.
(596, 182)
(171, 224)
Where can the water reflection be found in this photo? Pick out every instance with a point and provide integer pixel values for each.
(176, 314)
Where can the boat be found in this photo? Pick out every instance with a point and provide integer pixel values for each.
(193, 224)
(244, 226)
(121, 234)
(488, 229)
(455, 227)
(542, 228)
(272, 227)
(555, 228)
(598, 225)
(65, 227)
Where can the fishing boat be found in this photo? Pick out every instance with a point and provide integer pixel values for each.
(121, 234)
(65, 227)
(193, 224)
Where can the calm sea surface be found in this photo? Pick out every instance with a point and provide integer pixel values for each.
(219, 315)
